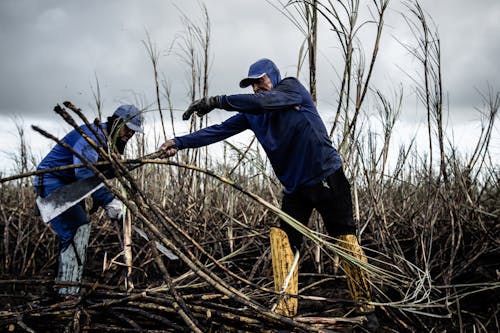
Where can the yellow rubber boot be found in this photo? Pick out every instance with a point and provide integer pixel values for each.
(357, 279)
(282, 259)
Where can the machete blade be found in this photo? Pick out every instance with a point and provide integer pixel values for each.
(169, 254)
(66, 197)
(69, 195)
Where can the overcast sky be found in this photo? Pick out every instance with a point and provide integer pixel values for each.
(51, 51)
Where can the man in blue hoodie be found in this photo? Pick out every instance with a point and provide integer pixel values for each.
(284, 119)
(72, 226)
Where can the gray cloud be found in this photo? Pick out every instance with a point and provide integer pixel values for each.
(471, 51)
(52, 50)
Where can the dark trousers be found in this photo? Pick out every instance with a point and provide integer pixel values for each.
(331, 197)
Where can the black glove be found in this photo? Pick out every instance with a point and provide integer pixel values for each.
(202, 106)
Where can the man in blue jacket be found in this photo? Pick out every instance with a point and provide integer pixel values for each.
(284, 119)
(72, 226)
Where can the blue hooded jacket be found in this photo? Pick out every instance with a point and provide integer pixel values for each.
(68, 222)
(287, 125)
(60, 156)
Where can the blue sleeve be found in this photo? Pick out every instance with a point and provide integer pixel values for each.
(90, 155)
(102, 196)
(286, 94)
(214, 133)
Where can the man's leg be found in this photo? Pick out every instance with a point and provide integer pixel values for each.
(72, 260)
(284, 241)
(73, 232)
(300, 209)
(336, 211)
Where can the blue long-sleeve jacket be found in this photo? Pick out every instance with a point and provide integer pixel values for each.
(60, 156)
(287, 125)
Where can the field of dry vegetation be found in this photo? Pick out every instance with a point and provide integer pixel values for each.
(429, 225)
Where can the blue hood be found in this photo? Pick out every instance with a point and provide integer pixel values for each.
(259, 69)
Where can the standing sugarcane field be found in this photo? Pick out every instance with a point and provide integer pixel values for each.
(264, 166)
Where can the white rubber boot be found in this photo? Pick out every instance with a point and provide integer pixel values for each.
(71, 263)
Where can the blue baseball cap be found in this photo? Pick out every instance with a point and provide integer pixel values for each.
(260, 68)
(131, 116)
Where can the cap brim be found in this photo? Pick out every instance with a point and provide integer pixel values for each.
(250, 80)
(134, 127)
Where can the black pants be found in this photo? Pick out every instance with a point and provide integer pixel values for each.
(331, 197)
